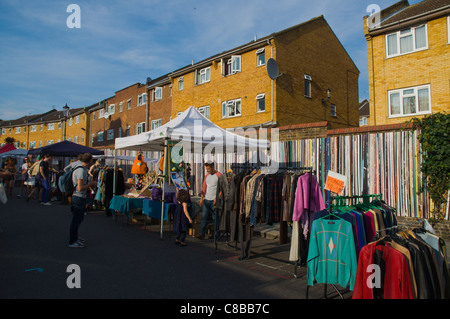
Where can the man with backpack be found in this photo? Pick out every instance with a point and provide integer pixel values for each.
(81, 186)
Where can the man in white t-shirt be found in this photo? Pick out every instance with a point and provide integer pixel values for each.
(78, 201)
(213, 191)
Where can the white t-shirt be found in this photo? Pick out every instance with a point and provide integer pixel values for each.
(211, 186)
(79, 173)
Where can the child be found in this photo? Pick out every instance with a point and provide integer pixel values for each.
(181, 218)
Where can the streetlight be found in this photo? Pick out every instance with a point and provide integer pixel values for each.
(66, 114)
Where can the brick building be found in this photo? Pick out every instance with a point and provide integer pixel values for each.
(409, 61)
(234, 88)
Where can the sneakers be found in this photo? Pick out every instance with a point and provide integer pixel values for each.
(77, 244)
(46, 204)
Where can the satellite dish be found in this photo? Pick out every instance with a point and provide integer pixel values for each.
(272, 68)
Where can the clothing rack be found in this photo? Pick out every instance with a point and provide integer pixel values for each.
(342, 201)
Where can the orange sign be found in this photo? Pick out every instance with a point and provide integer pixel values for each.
(335, 182)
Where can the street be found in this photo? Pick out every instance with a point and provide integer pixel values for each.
(123, 261)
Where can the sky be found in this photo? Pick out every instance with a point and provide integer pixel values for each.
(44, 64)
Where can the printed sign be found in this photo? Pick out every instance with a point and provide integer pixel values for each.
(335, 182)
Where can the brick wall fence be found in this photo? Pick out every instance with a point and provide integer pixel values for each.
(442, 227)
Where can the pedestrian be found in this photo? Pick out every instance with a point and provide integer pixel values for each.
(181, 218)
(45, 178)
(24, 177)
(9, 180)
(78, 201)
(214, 189)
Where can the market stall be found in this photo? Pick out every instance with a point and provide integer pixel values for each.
(190, 132)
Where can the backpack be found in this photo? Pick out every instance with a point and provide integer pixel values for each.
(65, 182)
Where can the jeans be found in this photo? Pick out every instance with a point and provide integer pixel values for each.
(78, 208)
(208, 205)
(45, 190)
(181, 236)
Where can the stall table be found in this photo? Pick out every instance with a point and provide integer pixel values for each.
(125, 205)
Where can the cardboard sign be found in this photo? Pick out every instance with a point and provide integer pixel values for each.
(335, 182)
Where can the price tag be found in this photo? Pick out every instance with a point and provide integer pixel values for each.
(335, 182)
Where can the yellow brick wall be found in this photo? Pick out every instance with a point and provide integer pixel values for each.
(77, 129)
(430, 66)
(41, 138)
(246, 85)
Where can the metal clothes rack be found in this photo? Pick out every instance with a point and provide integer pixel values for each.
(342, 201)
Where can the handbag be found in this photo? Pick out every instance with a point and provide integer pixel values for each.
(3, 197)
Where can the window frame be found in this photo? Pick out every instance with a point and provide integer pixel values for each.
(260, 97)
(157, 122)
(260, 53)
(110, 134)
(50, 126)
(399, 35)
(203, 72)
(227, 104)
(307, 85)
(402, 96)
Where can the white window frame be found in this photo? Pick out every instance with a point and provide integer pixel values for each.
(204, 110)
(111, 109)
(51, 126)
(17, 130)
(403, 95)
(141, 99)
(228, 105)
(260, 53)
(308, 85)
(32, 144)
(333, 110)
(120, 107)
(70, 122)
(156, 123)
(399, 35)
(181, 83)
(157, 93)
(140, 128)
(204, 75)
(110, 134)
(101, 113)
(3, 131)
(33, 128)
(259, 98)
(236, 64)
(75, 139)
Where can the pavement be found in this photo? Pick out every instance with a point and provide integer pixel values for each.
(125, 259)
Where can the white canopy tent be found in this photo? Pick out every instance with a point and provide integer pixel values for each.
(196, 133)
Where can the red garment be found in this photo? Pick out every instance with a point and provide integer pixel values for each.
(397, 284)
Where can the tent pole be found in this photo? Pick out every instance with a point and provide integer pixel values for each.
(163, 186)
(115, 177)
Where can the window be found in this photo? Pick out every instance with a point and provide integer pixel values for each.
(33, 128)
(204, 110)
(231, 108)
(120, 107)
(100, 136)
(129, 104)
(409, 101)
(32, 145)
(24, 129)
(156, 123)
(260, 57)
(333, 110)
(17, 130)
(93, 139)
(203, 75)
(232, 65)
(110, 134)
(51, 126)
(142, 99)
(93, 115)
(120, 132)
(362, 121)
(70, 122)
(180, 83)
(4, 130)
(157, 94)
(140, 128)
(59, 125)
(127, 132)
(40, 143)
(261, 103)
(101, 113)
(82, 138)
(111, 109)
(407, 41)
(308, 81)
(77, 119)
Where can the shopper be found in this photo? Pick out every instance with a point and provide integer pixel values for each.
(9, 180)
(24, 176)
(214, 189)
(181, 218)
(45, 179)
(78, 201)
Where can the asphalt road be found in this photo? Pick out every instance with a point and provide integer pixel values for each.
(124, 261)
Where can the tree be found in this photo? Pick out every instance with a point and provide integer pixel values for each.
(434, 138)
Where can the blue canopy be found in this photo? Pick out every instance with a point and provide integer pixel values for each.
(65, 148)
